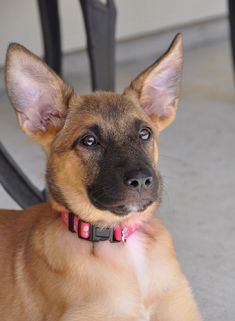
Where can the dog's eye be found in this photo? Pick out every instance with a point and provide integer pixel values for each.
(89, 141)
(145, 133)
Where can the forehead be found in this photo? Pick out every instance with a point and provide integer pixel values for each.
(107, 110)
(115, 116)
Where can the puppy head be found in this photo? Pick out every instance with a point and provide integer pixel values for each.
(101, 148)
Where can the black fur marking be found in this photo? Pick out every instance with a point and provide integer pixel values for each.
(108, 190)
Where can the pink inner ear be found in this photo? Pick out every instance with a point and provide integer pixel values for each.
(39, 120)
(155, 102)
(34, 98)
(159, 91)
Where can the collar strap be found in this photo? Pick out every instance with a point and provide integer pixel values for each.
(91, 232)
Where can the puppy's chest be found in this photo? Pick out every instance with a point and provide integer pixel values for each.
(137, 251)
(131, 256)
(138, 261)
(115, 278)
(131, 264)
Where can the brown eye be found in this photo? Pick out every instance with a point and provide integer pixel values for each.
(145, 134)
(89, 141)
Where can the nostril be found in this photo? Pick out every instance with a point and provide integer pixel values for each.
(133, 182)
(138, 180)
(148, 182)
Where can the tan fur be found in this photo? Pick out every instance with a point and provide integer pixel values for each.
(53, 275)
(48, 273)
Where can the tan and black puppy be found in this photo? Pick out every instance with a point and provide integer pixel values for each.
(102, 167)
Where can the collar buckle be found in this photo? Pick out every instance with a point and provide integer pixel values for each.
(100, 234)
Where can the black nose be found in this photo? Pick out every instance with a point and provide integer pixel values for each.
(138, 180)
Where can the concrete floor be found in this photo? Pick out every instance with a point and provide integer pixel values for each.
(197, 160)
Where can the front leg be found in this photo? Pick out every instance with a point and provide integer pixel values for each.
(171, 295)
(176, 305)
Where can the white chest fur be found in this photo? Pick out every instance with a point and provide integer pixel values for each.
(132, 257)
(146, 315)
(137, 252)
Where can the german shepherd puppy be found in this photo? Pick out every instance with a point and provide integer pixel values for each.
(95, 250)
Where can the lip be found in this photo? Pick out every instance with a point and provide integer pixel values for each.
(122, 209)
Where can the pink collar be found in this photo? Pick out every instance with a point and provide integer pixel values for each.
(94, 233)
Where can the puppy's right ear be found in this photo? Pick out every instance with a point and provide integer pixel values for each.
(39, 97)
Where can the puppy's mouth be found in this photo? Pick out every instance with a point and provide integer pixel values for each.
(123, 209)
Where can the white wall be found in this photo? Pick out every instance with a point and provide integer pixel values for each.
(19, 20)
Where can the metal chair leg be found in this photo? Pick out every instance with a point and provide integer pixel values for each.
(50, 24)
(16, 183)
(100, 21)
(231, 6)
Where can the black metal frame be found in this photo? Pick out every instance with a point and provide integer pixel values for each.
(99, 20)
(50, 24)
(231, 10)
(16, 183)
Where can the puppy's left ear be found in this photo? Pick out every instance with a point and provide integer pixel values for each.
(157, 88)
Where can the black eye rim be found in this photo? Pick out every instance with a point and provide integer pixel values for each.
(81, 141)
(148, 131)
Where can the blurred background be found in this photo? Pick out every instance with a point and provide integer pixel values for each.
(197, 152)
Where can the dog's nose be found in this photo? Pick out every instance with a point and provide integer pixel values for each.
(138, 180)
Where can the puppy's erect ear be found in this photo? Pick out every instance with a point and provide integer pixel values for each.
(38, 95)
(157, 88)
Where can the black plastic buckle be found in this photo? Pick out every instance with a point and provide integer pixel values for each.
(102, 234)
(99, 234)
